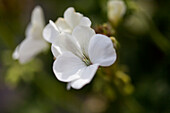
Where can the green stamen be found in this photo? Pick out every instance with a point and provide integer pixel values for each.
(86, 61)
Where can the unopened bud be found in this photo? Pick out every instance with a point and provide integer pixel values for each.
(115, 42)
(116, 10)
(105, 29)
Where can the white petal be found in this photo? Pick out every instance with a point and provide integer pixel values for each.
(85, 21)
(101, 50)
(29, 48)
(63, 26)
(37, 17)
(66, 42)
(72, 18)
(28, 30)
(69, 86)
(67, 67)
(35, 32)
(35, 27)
(50, 32)
(83, 35)
(15, 54)
(86, 76)
(55, 50)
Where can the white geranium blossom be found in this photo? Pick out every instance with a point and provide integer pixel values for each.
(116, 10)
(34, 42)
(67, 24)
(78, 55)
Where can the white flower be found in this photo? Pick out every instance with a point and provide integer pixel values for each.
(116, 10)
(78, 55)
(67, 24)
(34, 43)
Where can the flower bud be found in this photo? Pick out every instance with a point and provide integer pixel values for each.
(115, 42)
(116, 10)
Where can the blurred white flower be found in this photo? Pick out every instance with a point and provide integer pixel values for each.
(78, 55)
(67, 24)
(116, 10)
(34, 43)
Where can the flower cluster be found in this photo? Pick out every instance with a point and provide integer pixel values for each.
(79, 51)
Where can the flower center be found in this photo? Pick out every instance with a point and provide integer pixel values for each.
(86, 61)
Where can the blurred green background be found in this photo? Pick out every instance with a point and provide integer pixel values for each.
(138, 83)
